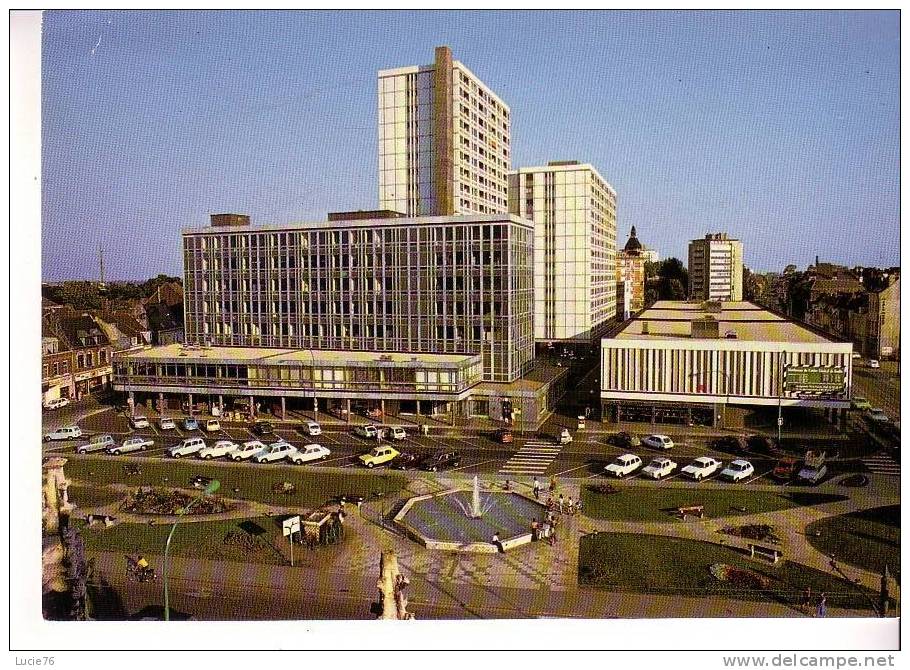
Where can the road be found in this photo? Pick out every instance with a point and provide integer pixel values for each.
(881, 387)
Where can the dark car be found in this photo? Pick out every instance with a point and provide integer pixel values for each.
(785, 469)
(408, 460)
(624, 440)
(446, 459)
(761, 444)
(730, 443)
(503, 436)
(262, 428)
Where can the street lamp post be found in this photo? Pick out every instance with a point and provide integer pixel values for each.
(210, 488)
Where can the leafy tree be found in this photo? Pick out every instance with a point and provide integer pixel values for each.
(77, 573)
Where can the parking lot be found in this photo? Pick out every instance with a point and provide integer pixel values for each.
(524, 458)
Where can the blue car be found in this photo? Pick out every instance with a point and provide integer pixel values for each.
(190, 424)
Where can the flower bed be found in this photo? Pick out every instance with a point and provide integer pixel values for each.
(745, 579)
(603, 489)
(756, 531)
(169, 502)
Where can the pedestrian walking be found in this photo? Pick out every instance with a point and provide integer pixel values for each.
(578, 505)
(822, 609)
(570, 506)
(561, 503)
(547, 529)
(535, 530)
(552, 484)
(497, 543)
(536, 489)
(550, 504)
(508, 485)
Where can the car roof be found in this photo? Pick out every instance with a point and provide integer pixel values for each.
(740, 461)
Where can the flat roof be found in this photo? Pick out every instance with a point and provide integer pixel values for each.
(672, 319)
(266, 355)
(364, 223)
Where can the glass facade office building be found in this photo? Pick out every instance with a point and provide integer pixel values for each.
(437, 285)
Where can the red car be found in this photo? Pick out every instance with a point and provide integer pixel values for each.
(785, 469)
(503, 436)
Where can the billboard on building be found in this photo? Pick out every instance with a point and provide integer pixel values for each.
(807, 380)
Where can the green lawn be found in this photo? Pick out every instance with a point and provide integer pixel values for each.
(86, 496)
(634, 503)
(253, 539)
(868, 539)
(314, 486)
(665, 565)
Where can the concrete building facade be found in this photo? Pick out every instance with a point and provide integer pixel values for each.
(678, 357)
(716, 268)
(444, 141)
(574, 214)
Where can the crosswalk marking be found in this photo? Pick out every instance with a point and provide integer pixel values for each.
(882, 465)
(533, 458)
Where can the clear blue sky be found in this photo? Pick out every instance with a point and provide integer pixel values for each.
(780, 128)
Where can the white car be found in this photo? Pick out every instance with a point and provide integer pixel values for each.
(659, 468)
(247, 450)
(565, 437)
(657, 441)
(131, 444)
(874, 363)
(311, 452)
(139, 421)
(312, 428)
(65, 433)
(738, 470)
(190, 446)
(701, 467)
(277, 451)
(878, 415)
(395, 433)
(96, 443)
(623, 465)
(212, 426)
(366, 431)
(164, 423)
(57, 403)
(217, 450)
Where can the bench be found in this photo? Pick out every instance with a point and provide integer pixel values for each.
(692, 510)
(106, 519)
(774, 555)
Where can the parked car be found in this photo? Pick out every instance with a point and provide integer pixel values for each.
(657, 441)
(164, 423)
(189, 423)
(311, 428)
(701, 467)
(445, 459)
(339, 412)
(859, 402)
(57, 403)
(311, 452)
(394, 433)
(877, 415)
(247, 450)
(64, 433)
(761, 443)
(565, 437)
(139, 421)
(874, 363)
(785, 469)
(814, 468)
(624, 440)
(190, 446)
(262, 428)
(856, 355)
(659, 468)
(277, 451)
(623, 465)
(730, 443)
(378, 456)
(368, 431)
(503, 436)
(96, 443)
(408, 460)
(375, 413)
(217, 450)
(131, 444)
(737, 470)
(212, 426)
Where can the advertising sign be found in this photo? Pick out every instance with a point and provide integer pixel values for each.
(809, 380)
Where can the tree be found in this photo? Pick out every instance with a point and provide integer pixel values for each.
(77, 573)
(666, 280)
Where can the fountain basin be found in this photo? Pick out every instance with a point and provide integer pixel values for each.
(442, 520)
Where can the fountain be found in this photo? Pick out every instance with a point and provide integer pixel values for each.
(462, 520)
